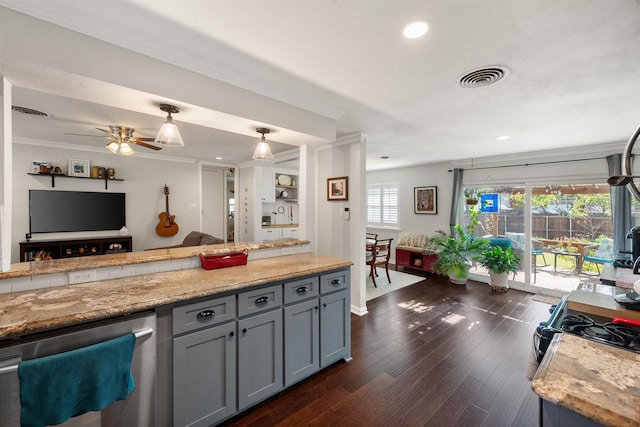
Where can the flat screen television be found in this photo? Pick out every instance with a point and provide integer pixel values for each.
(53, 211)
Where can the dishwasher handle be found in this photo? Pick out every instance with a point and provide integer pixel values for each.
(139, 334)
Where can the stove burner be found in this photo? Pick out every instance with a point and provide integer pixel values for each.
(607, 333)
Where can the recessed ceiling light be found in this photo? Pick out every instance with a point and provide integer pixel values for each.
(415, 30)
(218, 158)
(503, 138)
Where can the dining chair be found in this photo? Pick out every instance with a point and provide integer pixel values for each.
(378, 256)
(372, 236)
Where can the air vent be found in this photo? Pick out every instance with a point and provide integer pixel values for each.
(484, 76)
(30, 111)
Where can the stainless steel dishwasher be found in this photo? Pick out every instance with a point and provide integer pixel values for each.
(137, 410)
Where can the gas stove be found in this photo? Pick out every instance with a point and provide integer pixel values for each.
(611, 333)
(618, 332)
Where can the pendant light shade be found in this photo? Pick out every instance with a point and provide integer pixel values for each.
(263, 152)
(169, 134)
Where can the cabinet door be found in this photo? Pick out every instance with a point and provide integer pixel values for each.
(301, 340)
(266, 184)
(259, 357)
(204, 376)
(335, 327)
(269, 234)
(402, 257)
(290, 233)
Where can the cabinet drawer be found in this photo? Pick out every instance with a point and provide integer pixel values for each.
(259, 300)
(334, 281)
(302, 289)
(203, 314)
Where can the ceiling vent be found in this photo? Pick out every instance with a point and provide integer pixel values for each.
(484, 76)
(30, 111)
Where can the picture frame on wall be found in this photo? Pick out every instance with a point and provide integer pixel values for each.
(338, 188)
(78, 168)
(425, 200)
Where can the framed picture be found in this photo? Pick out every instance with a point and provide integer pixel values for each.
(78, 168)
(338, 188)
(425, 200)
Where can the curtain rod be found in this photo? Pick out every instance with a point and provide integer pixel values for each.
(532, 164)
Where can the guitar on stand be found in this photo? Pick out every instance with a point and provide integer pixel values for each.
(167, 226)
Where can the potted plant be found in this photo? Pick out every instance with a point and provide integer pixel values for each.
(500, 262)
(455, 253)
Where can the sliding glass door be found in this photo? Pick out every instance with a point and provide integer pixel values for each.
(498, 214)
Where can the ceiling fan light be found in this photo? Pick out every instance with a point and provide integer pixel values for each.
(125, 149)
(113, 147)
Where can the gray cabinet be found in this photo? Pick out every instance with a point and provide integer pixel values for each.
(259, 357)
(335, 327)
(301, 329)
(204, 383)
(335, 317)
(204, 362)
(231, 352)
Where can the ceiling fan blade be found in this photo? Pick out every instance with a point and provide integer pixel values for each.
(110, 133)
(146, 139)
(142, 144)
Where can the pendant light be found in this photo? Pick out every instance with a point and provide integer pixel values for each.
(263, 152)
(169, 134)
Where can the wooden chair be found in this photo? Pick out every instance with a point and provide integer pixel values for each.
(377, 256)
(372, 236)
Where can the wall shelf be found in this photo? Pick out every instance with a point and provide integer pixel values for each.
(54, 176)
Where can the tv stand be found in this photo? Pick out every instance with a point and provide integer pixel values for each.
(32, 250)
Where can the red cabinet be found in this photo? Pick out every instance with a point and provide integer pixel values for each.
(415, 259)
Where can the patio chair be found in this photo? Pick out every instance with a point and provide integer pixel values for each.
(536, 250)
(598, 254)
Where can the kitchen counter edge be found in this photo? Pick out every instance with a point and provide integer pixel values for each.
(64, 265)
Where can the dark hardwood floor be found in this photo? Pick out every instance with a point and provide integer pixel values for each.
(431, 354)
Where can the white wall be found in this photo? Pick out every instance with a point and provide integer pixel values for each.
(144, 179)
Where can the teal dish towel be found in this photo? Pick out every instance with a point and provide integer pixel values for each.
(58, 387)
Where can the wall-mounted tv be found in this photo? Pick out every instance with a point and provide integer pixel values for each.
(53, 211)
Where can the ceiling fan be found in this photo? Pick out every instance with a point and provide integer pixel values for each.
(121, 137)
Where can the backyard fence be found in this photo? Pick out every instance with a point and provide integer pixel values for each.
(548, 227)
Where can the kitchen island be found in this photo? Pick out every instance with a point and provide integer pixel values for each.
(586, 383)
(295, 308)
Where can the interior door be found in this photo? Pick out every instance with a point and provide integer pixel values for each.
(214, 205)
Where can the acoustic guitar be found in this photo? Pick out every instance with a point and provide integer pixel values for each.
(167, 226)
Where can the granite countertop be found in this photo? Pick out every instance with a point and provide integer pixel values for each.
(280, 226)
(597, 381)
(45, 309)
(64, 265)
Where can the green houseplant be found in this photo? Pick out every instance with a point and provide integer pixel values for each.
(500, 262)
(455, 253)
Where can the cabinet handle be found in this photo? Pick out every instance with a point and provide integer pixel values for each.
(262, 300)
(336, 282)
(244, 330)
(316, 307)
(302, 290)
(204, 314)
(324, 305)
(231, 334)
